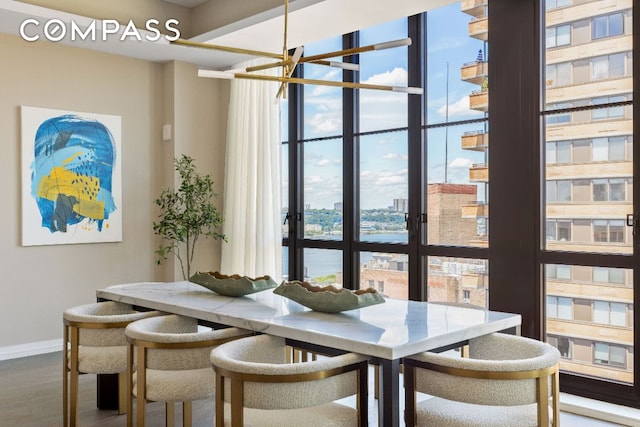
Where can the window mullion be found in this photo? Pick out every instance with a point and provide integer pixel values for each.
(351, 170)
(417, 159)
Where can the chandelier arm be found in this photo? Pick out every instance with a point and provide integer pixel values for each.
(267, 66)
(183, 42)
(356, 50)
(351, 85)
(290, 63)
(337, 64)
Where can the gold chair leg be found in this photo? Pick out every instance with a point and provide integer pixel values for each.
(65, 376)
(122, 393)
(237, 403)
(187, 408)
(141, 389)
(543, 400)
(73, 397)
(219, 398)
(555, 396)
(130, 385)
(170, 414)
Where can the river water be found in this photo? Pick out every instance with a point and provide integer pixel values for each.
(324, 262)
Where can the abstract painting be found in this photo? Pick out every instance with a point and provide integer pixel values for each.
(71, 177)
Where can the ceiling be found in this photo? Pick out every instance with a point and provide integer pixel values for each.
(309, 20)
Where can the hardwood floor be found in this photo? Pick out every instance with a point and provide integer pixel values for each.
(31, 396)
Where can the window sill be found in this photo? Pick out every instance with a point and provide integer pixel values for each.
(600, 410)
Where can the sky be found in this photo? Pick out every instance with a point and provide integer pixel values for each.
(384, 157)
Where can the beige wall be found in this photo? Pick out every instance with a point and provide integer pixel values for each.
(198, 114)
(39, 282)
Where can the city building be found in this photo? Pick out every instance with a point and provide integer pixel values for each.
(400, 205)
(588, 177)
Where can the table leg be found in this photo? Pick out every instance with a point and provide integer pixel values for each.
(389, 393)
(107, 391)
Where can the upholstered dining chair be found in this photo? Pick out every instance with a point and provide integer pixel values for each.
(507, 380)
(255, 386)
(94, 343)
(172, 364)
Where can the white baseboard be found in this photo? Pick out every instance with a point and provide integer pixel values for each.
(30, 349)
(610, 412)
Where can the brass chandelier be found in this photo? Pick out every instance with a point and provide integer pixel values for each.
(288, 62)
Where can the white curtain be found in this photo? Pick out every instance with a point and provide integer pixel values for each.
(252, 180)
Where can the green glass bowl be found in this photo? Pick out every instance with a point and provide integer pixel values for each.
(232, 285)
(328, 299)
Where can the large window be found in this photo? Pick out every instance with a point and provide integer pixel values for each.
(393, 192)
(589, 141)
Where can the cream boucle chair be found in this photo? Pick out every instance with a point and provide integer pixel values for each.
(506, 381)
(95, 343)
(172, 363)
(259, 388)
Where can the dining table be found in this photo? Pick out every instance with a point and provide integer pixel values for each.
(385, 332)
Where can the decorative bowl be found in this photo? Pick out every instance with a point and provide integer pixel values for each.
(328, 299)
(232, 285)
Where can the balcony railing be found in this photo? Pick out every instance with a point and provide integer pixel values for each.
(475, 140)
(474, 7)
(479, 100)
(479, 173)
(479, 28)
(480, 242)
(475, 209)
(474, 280)
(474, 72)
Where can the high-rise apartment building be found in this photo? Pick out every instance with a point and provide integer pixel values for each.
(587, 175)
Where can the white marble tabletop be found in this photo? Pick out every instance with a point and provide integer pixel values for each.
(389, 331)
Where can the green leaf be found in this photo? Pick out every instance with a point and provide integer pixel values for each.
(186, 213)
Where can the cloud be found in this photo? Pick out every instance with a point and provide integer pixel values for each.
(383, 180)
(460, 162)
(320, 90)
(327, 162)
(327, 103)
(391, 180)
(323, 191)
(395, 77)
(395, 156)
(458, 108)
(313, 179)
(380, 110)
(326, 122)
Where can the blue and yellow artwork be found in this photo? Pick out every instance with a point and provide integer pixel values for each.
(73, 177)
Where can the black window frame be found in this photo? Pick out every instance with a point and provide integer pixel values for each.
(516, 267)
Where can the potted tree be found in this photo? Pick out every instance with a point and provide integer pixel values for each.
(186, 214)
